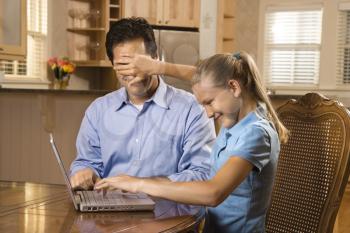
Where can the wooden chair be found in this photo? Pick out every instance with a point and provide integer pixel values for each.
(313, 167)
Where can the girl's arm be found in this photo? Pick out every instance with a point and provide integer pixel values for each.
(209, 193)
(183, 72)
(142, 64)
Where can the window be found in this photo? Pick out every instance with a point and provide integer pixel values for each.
(343, 52)
(292, 43)
(304, 46)
(34, 66)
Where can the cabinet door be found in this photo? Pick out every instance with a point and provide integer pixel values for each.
(148, 9)
(181, 13)
(12, 29)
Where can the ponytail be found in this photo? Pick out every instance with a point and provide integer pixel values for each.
(242, 68)
(261, 94)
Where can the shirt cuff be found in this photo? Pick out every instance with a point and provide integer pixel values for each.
(77, 168)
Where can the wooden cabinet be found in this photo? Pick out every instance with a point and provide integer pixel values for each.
(184, 13)
(13, 29)
(147, 9)
(177, 13)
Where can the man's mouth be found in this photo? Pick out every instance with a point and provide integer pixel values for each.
(217, 117)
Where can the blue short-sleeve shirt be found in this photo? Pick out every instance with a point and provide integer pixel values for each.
(254, 139)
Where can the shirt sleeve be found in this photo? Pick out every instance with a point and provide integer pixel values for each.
(88, 144)
(253, 145)
(194, 163)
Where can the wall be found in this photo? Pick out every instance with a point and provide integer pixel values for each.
(25, 120)
(207, 37)
(247, 18)
(247, 15)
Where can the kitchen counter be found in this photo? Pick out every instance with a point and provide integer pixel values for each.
(54, 91)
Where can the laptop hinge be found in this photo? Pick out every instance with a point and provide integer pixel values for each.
(78, 197)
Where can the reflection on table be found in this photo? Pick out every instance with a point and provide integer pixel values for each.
(27, 207)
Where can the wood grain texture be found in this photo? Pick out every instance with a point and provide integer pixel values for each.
(28, 207)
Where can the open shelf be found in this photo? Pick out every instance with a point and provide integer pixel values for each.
(86, 43)
(114, 2)
(92, 63)
(85, 29)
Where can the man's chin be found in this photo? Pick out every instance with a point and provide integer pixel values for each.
(137, 91)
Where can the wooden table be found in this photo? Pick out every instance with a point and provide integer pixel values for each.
(29, 207)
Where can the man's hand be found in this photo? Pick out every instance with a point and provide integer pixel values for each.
(84, 179)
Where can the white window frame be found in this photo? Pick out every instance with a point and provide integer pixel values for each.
(344, 11)
(328, 51)
(27, 81)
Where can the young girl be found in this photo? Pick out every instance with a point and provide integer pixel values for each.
(245, 153)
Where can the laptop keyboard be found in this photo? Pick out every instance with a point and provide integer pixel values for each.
(113, 200)
(98, 199)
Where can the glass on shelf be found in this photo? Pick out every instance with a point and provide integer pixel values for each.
(94, 49)
(81, 47)
(73, 12)
(95, 15)
(81, 15)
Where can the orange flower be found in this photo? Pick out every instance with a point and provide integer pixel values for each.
(68, 68)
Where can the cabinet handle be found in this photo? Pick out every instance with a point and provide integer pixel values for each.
(1, 49)
(160, 21)
(166, 22)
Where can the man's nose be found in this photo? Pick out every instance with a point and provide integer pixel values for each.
(209, 111)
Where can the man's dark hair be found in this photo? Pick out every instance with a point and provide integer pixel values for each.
(128, 29)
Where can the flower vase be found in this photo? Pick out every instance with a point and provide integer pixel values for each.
(62, 83)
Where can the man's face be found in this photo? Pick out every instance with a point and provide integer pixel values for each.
(130, 48)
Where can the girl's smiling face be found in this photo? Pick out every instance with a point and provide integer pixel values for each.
(222, 104)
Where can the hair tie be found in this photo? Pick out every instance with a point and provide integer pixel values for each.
(237, 55)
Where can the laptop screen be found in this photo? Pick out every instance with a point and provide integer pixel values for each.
(63, 170)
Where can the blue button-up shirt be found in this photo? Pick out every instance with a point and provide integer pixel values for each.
(254, 139)
(171, 136)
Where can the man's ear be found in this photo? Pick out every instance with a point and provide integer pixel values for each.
(235, 87)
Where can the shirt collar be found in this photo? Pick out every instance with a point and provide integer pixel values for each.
(159, 97)
(260, 112)
(122, 98)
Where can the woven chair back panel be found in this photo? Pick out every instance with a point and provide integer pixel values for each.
(306, 167)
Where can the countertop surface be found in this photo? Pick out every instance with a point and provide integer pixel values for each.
(99, 92)
(53, 91)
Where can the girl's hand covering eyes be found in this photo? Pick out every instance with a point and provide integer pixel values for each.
(137, 65)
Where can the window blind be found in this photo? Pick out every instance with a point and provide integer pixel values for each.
(292, 46)
(34, 64)
(343, 49)
(37, 32)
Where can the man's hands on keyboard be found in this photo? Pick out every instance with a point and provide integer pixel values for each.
(84, 179)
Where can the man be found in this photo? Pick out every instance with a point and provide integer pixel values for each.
(144, 129)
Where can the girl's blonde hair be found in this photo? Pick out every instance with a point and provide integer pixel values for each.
(221, 68)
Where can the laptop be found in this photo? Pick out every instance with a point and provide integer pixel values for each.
(93, 201)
